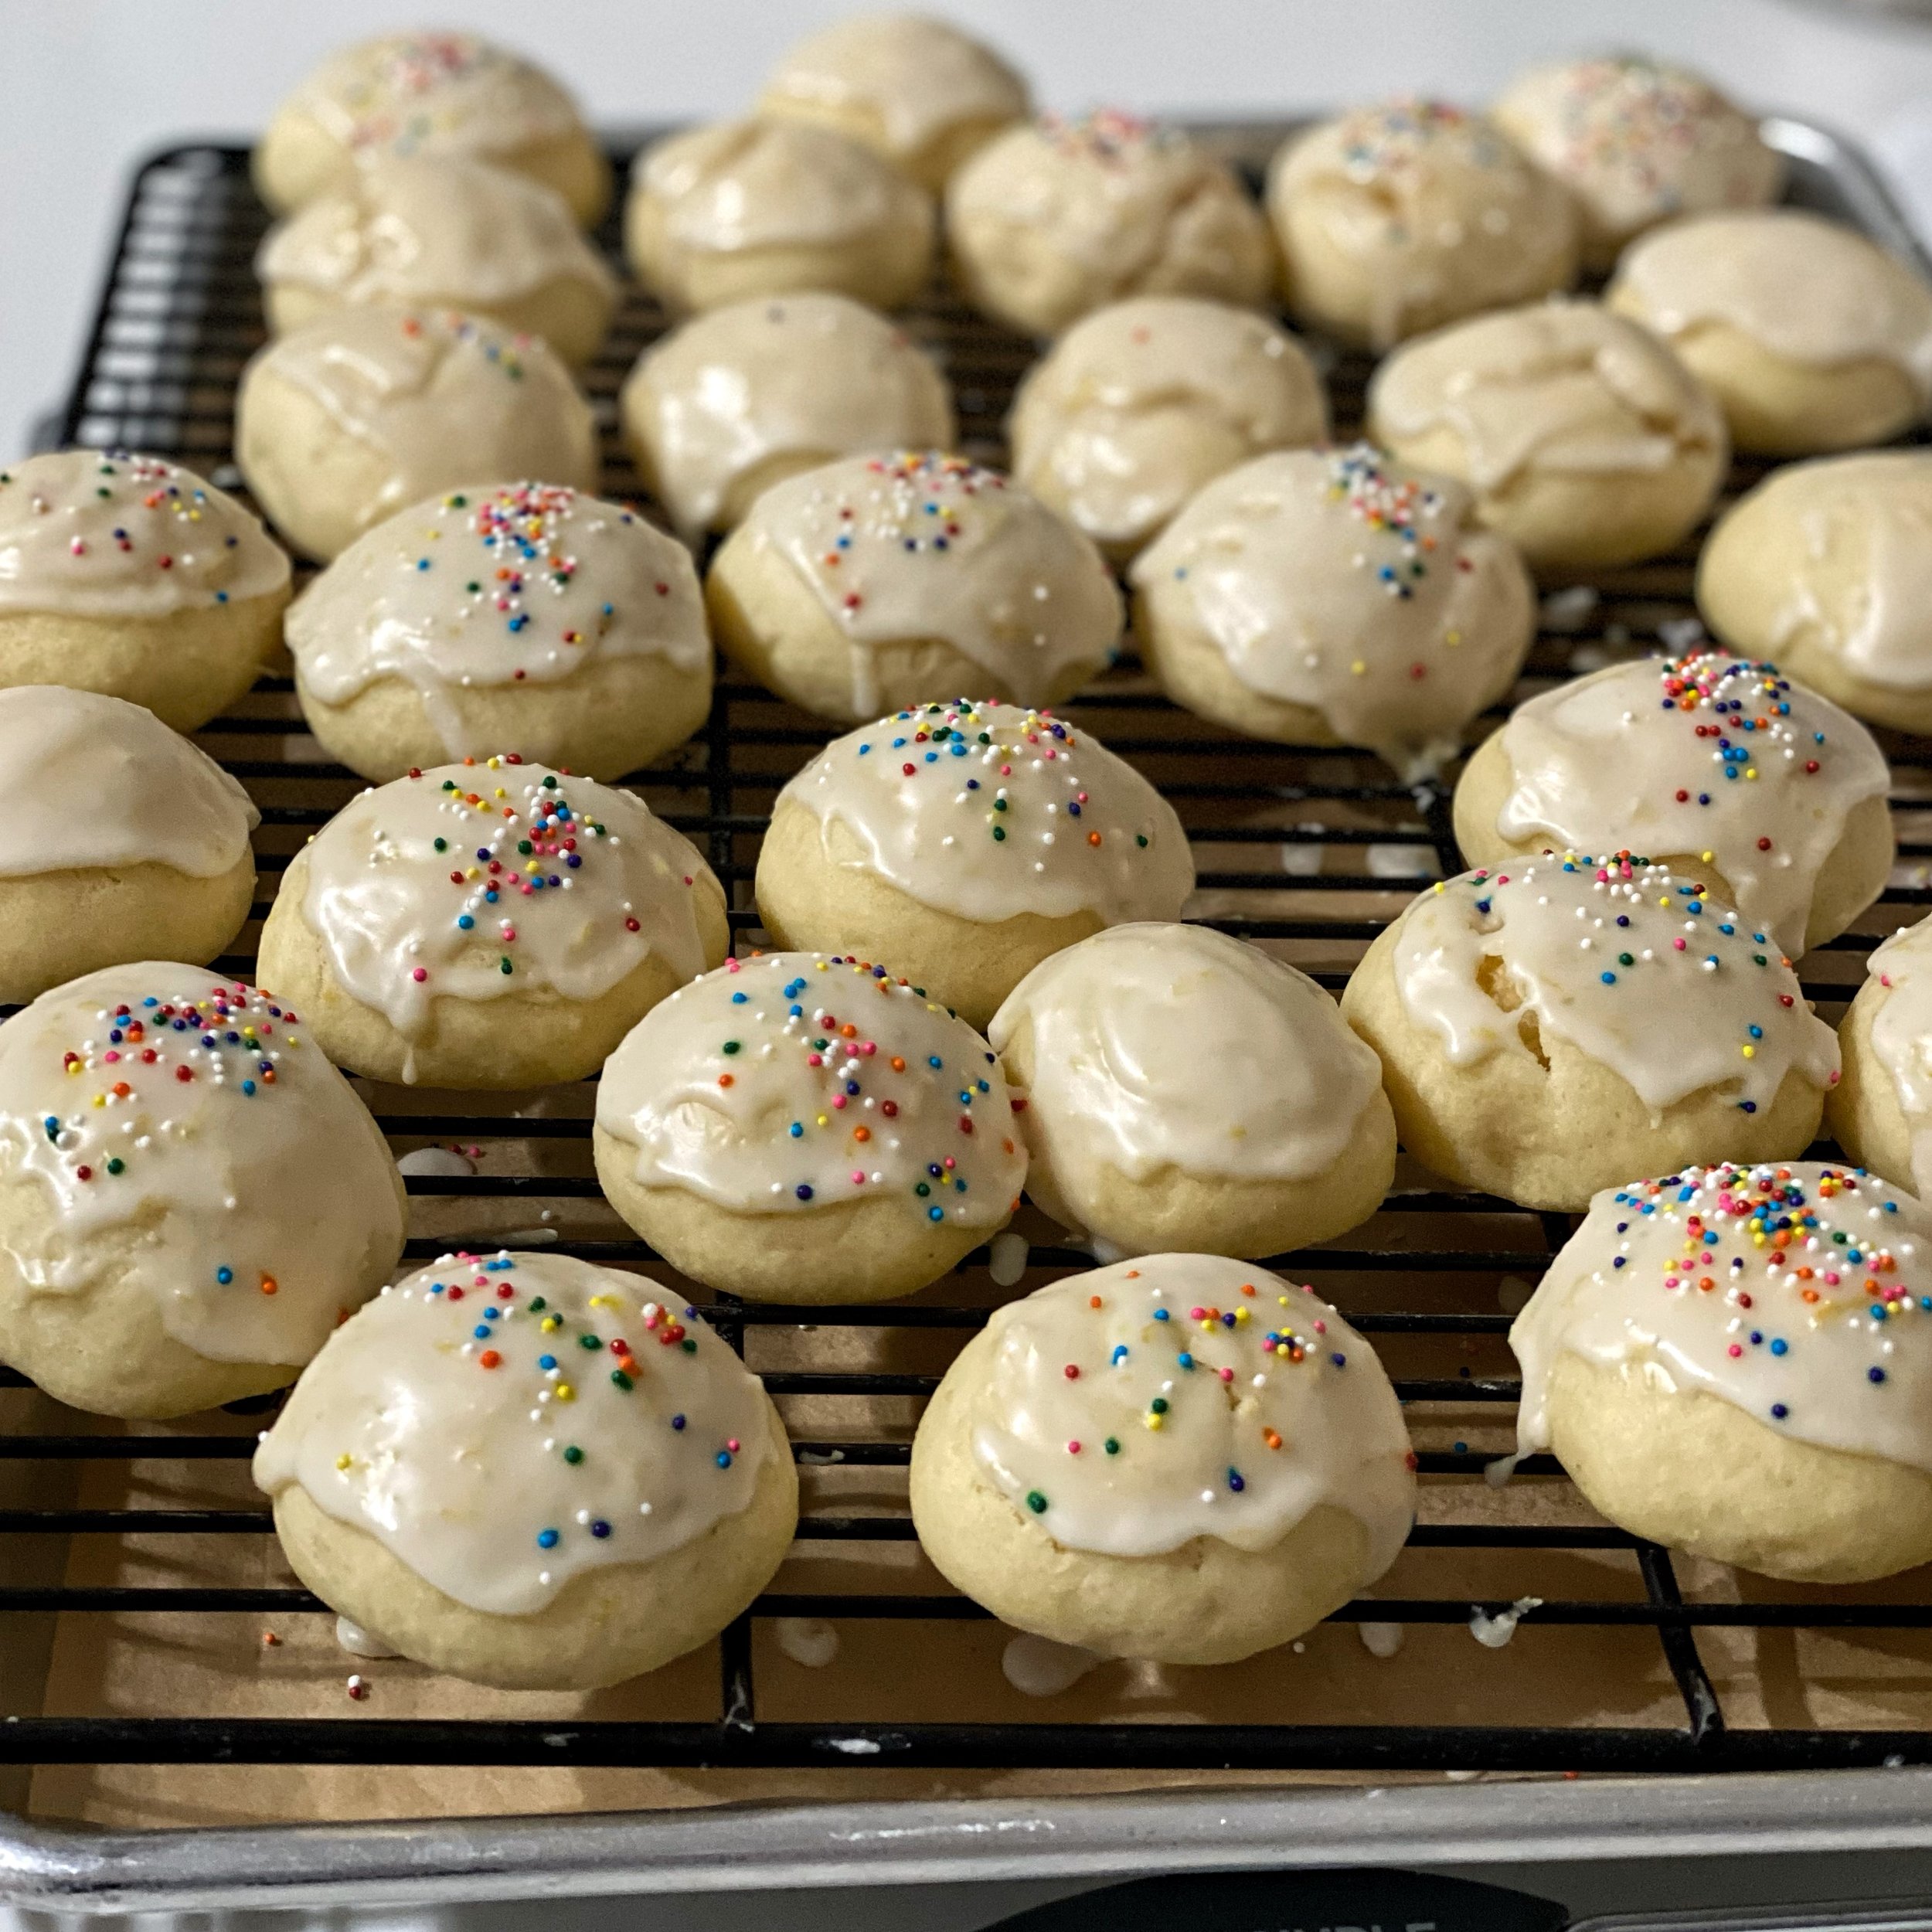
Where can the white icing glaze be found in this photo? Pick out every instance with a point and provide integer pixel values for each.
(1809, 290)
(1038, 1667)
(1796, 1292)
(1709, 757)
(1141, 403)
(524, 582)
(774, 184)
(812, 376)
(1164, 1047)
(1428, 199)
(1557, 386)
(95, 533)
(1630, 964)
(485, 1404)
(1902, 1036)
(1637, 141)
(987, 812)
(920, 77)
(1341, 580)
(422, 889)
(1239, 1404)
(1863, 573)
(923, 545)
(1108, 188)
(789, 1082)
(187, 1136)
(434, 94)
(115, 787)
(432, 228)
(440, 399)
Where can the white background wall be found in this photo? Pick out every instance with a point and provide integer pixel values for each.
(89, 86)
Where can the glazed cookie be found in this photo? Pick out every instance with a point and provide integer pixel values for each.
(1714, 766)
(1881, 1112)
(191, 1196)
(1331, 597)
(127, 575)
(884, 581)
(918, 91)
(750, 207)
(1183, 1459)
(485, 1468)
(964, 842)
(1573, 1017)
(800, 1126)
(1179, 1089)
(741, 398)
(341, 424)
(522, 614)
(1811, 337)
(1826, 566)
(1057, 218)
(1137, 405)
(489, 924)
(429, 93)
(1399, 217)
(1636, 142)
(147, 852)
(1584, 437)
(444, 232)
(1731, 1362)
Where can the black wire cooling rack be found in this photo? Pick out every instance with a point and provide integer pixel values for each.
(1306, 851)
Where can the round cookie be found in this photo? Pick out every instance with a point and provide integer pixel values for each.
(531, 1472)
(489, 924)
(1333, 598)
(1573, 1018)
(341, 423)
(1714, 766)
(1732, 1362)
(1881, 1111)
(441, 94)
(749, 207)
(523, 615)
(1826, 566)
(146, 850)
(130, 577)
(1811, 337)
(1138, 405)
(964, 842)
(1183, 1459)
(442, 232)
(1056, 218)
(1399, 217)
(884, 581)
(1178, 1089)
(745, 396)
(801, 1127)
(1636, 142)
(191, 1196)
(1585, 439)
(916, 90)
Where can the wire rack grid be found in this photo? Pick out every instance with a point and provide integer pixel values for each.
(1306, 852)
